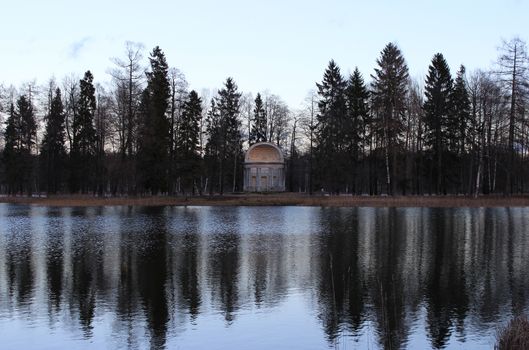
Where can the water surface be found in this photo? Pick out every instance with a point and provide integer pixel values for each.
(260, 277)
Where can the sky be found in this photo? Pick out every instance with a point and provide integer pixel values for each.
(279, 46)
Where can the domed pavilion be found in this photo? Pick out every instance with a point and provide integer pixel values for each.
(264, 168)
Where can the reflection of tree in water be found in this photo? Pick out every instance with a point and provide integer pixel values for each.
(223, 272)
(268, 275)
(86, 268)
(184, 262)
(459, 268)
(188, 275)
(445, 293)
(19, 269)
(518, 248)
(340, 289)
(127, 301)
(387, 289)
(152, 278)
(347, 286)
(260, 264)
(54, 262)
(419, 259)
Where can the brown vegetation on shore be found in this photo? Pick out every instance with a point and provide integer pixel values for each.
(515, 336)
(284, 199)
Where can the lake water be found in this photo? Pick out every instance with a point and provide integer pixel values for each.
(260, 277)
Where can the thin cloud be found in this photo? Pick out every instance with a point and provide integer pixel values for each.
(77, 47)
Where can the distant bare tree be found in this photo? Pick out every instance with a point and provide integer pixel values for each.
(489, 128)
(247, 105)
(308, 123)
(3, 107)
(128, 76)
(513, 73)
(414, 133)
(277, 114)
(71, 96)
(102, 120)
(179, 93)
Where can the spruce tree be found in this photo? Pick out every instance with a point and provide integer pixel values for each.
(20, 138)
(258, 131)
(357, 118)
(459, 126)
(83, 149)
(188, 141)
(228, 105)
(154, 141)
(53, 149)
(389, 90)
(460, 123)
(438, 89)
(11, 154)
(212, 159)
(331, 131)
(28, 125)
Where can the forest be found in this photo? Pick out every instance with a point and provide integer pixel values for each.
(145, 133)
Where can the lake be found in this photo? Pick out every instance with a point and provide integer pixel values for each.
(260, 277)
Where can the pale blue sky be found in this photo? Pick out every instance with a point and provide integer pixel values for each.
(282, 46)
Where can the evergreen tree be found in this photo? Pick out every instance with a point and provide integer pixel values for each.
(84, 137)
(20, 138)
(212, 157)
(11, 156)
(228, 105)
(389, 90)
(331, 130)
(357, 97)
(258, 131)
(438, 89)
(154, 142)
(53, 145)
(28, 125)
(459, 128)
(460, 124)
(188, 141)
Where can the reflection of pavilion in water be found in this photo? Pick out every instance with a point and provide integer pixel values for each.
(264, 168)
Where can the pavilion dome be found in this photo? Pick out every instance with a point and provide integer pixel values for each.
(264, 152)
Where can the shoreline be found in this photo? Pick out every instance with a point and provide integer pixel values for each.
(283, 199)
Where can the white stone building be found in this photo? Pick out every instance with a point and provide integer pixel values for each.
(264, 168)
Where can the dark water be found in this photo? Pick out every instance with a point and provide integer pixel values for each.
(260, 277)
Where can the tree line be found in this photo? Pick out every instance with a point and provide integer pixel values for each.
(146, 133)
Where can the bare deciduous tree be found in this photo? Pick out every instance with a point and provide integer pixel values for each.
(513, 74)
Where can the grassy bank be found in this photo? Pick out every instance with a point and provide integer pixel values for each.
(285, 199)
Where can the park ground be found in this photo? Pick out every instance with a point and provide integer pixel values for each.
(281, 199)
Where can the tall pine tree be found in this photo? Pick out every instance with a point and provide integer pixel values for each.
(228, 105)
(188, 142)
(53, 151)
(460, 122)
(258, 131)
(154, 140)
(331, 153)
(20, 140)
(11, 154)
(224, 146)
(438, 89)
(389, 90)
(84, 137)
(357, 97)
(212, 159)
